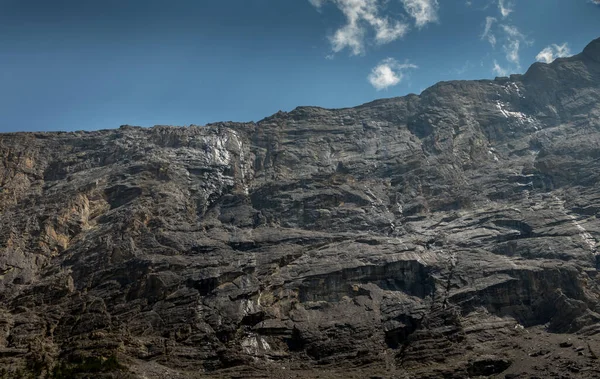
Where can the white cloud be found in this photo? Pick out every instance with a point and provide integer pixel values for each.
(360, 15)
(514, 38)
(506, 8)
(388, 73)
(363, 15)
(499, 70)
(546, 55)
(487, 33)
(423, 11)
(512, 31)
(549, 53)
(512, 42)
(386, 32)
(350, 36)
(383, 77)
(512, 51)
(317, 3)
(562, 50)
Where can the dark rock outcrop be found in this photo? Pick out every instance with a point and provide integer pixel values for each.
(429, 235)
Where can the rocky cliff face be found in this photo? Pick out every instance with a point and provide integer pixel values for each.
(451, 234)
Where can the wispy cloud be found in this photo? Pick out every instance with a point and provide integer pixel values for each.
(364, 18)
(512, 31)
(462, 70)
(499, 70)
(514, 39)
(550, 53)
(360, 15)
(505, 7)
(317, 3)
(487, 32)
(511, 37)
(387, 31)
(423, 11)
(511, 48)
(389, 72)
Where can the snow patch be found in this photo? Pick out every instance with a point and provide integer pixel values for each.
(513, 88)
(520, 117)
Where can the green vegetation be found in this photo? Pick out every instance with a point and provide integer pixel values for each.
(87, 365)
(83, 368)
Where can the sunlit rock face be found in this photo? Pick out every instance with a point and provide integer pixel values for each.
(431, 235)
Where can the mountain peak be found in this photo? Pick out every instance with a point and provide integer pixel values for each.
(592, 50)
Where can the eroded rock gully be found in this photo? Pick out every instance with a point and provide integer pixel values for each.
(453, 234)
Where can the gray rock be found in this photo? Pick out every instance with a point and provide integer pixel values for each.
(417, 234)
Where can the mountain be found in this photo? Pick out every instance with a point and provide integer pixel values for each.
(446, 235)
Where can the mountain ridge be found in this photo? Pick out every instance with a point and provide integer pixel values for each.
(450, 233)
(592, 49)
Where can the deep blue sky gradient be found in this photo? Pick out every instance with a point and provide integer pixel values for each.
(97, 64)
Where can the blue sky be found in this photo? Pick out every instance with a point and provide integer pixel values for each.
(90, 64)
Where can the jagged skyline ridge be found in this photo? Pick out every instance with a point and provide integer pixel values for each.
(72, 65)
